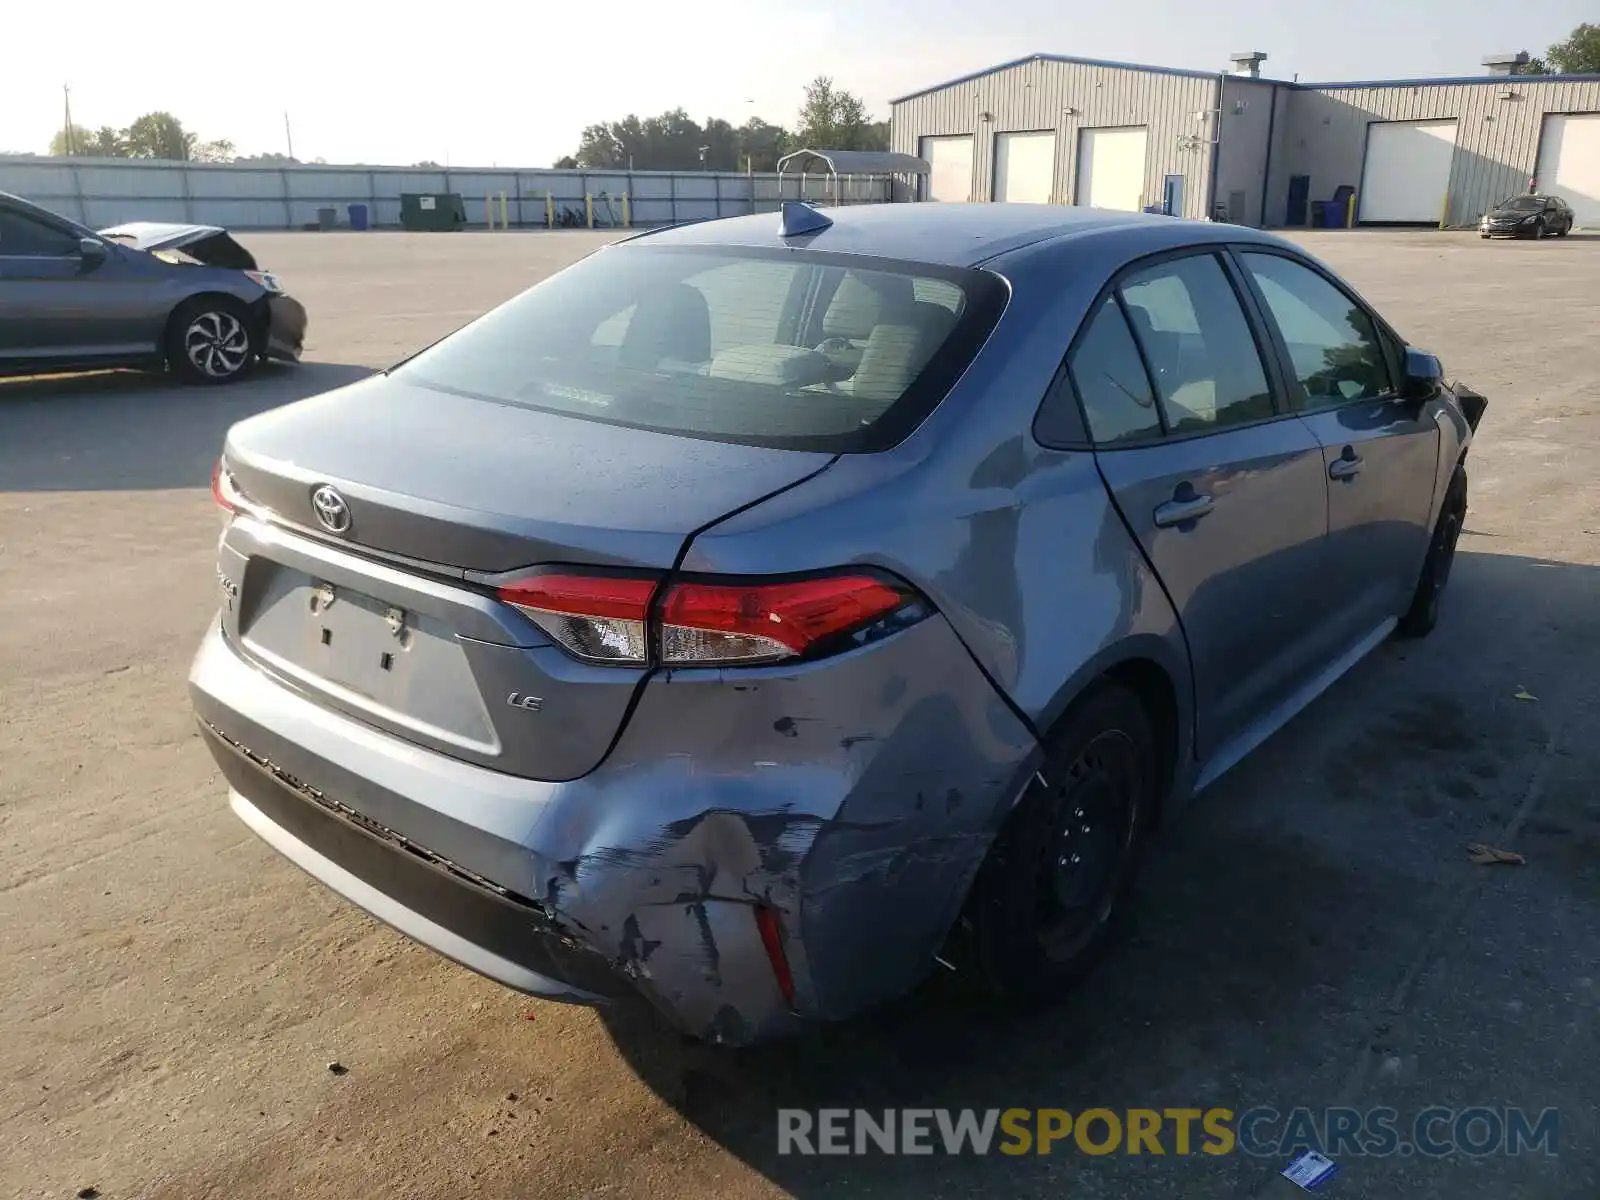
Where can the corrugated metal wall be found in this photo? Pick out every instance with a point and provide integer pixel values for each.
(1034, 96)
(101, 192)
(1247, 124)
(1497, 140)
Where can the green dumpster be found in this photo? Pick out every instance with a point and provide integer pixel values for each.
(432, 211)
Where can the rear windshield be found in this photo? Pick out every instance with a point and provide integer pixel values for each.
(786, 348)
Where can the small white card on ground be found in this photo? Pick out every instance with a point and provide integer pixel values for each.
(1310, 1170)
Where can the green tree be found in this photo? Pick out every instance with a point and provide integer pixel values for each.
(761, 145)
(669, 142)
(104, 142)
(219, 151)
(1579, 54)
(108, 143)
(73, 139)
(721, 141)
(158, 135)
(832, 118)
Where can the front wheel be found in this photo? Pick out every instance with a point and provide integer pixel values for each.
(1539, 231)
(1423, 615)
(1047, 898)
(212, 339)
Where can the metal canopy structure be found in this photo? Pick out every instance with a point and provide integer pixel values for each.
(850, 162)
(857, 162)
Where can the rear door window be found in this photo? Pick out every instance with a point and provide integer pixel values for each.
(1188, 322)
(790, 348)
(1111, 380)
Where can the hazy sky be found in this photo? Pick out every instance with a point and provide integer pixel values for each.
(508, 84)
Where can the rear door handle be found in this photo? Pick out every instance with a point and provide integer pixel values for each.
(1180, 511)
(1348, 466)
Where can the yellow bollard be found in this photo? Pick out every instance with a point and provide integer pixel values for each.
(588, 207)
(1444, 211)
(505, 222)
(627, 213)
(549, 210)
(1350, 212)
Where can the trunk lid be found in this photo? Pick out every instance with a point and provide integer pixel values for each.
(390, 620)
(477, 486)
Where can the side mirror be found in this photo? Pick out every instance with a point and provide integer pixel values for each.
(1424, 376)
(92, 251)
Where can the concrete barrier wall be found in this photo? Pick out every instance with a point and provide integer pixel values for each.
(100, 192)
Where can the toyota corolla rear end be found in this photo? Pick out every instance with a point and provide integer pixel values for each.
(459, 677)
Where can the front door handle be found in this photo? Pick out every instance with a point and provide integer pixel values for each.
(1346, 466)
(1183, 508)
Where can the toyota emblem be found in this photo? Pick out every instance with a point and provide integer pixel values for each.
(333, 514)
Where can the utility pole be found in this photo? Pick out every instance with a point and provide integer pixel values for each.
(288, 134)
(66, 97)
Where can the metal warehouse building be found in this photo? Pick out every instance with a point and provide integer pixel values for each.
(1230, 145)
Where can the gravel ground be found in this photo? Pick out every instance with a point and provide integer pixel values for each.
(1311, 933)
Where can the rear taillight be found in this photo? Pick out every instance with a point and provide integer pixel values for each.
(611, 619)
(771, 931)
(601, 618)
(728, 622)
(223, 489)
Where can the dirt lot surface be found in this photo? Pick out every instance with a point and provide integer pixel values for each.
(1311, 933)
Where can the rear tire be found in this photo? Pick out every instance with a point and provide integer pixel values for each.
(212, 339)
(1049, 896)
(1423, 615)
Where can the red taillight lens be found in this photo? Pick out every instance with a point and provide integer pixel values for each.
(223, 490)
(772, 941)
(725, 622)
(607, 618)
(602, 618)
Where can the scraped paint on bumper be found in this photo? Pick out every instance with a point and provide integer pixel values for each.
(855, 802)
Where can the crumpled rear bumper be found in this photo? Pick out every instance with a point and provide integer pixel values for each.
(854, 799)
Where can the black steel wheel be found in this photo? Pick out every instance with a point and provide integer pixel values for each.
(1049, 896)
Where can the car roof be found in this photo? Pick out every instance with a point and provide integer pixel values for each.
(956, 235)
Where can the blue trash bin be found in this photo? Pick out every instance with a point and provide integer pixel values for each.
(358, 216)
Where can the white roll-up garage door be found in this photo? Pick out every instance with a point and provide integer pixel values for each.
(1111, 168)
(951, 160)
(1407, 172)
(1569, 163)
(1025, 167)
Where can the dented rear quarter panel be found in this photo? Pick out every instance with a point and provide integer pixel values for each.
(1018, 545)
(854, 797)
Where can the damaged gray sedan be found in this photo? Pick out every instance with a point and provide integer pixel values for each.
(760, 613)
